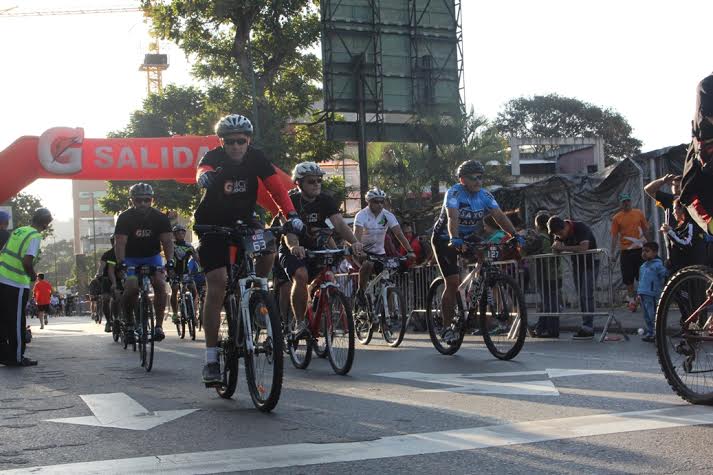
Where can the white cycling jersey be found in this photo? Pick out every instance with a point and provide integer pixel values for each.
(375, 228)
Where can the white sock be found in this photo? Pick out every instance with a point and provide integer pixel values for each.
(211, 355)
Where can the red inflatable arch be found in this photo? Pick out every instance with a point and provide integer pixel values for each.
(63, 152)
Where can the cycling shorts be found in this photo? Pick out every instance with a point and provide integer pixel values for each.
(154, 261)
(446, 256)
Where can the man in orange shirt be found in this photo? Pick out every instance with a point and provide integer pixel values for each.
(630, 228)
(43, 295)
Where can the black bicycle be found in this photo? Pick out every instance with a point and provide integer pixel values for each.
(145, 319)
(486, 294)
(186, 307)
(684, 333)
(251, 327)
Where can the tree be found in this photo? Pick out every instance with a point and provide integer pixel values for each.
(558, 116)
(23, 207)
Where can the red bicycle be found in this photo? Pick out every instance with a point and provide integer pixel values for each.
(328, 316)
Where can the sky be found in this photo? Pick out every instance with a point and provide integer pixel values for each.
(642, 59)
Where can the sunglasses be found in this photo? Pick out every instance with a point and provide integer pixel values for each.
(377, 202)
(235, 141)
(474, 177)
(314, 182)
(142, 200)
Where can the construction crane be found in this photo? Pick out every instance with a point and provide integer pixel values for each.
(154, 62)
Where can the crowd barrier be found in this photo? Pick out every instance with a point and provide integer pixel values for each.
(577, 285)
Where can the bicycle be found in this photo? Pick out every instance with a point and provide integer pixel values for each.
(186, 307)
(328, 313)
(684, 333)
(485, 294)
(251, 327)
(145, 319)
(383, 298)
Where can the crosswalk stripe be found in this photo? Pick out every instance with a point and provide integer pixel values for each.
(280, 456)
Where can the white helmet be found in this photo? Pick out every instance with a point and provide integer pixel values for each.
(304, 169)
(374, 193)
(233, 124)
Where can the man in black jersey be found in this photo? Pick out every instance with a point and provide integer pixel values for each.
(313, 207)
(141, 231)
(229, 174)
(108, 259)
(182, 252)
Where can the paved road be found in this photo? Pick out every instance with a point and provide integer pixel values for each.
(560, 407)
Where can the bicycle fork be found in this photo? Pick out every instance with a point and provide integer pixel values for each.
(246, 290)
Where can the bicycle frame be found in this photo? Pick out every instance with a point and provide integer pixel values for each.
(384, 282)
(324, 281)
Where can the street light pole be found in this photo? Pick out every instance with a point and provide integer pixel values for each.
(94, 235)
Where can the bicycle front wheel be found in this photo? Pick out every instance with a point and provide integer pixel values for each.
(190, 314)
(299, 347)
(684, 341)
(503, 317)
(263, 368)
(393, 318)
(362, 321)
(227, 352)
(340, 332)
(434, 320)
(148, 334)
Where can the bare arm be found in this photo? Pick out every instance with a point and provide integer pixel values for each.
(453, 221)
(342, 228)
(120, 246)
(503, 221)
(581, 247)
(657, 184)
(358, 232)
(402, 239)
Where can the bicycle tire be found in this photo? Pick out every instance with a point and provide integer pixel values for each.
(319, 344)
(181, 323)
(340, 365)
(299, 349)
(141, 337)
(394, 315)
(149, 335)
(681, 375)
(505, 340)
(190, 316)
(265, 322)
(434, 319)
(227, 351)
(363, 321)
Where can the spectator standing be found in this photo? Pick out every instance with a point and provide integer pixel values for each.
(574, 236)
(652, 276)
(4, 223)
(548, 275)
(629, 228)
(415, 245)
(17, 272)
(43, 298)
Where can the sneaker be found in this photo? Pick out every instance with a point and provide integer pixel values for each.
(583, 334)
(211, 373)
(46, 321)
(158, 334)
(648, 338)
(107, 327)
(174, 319)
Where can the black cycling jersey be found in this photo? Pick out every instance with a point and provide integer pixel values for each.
(234, 194)
(143, 231)
(313, 214)
(702, 128)
(108, 257)
(182, 252)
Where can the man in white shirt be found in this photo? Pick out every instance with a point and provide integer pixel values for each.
(370, 227)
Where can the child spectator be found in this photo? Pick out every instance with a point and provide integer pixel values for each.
(687, 240)
(493, 233)
(652, 275)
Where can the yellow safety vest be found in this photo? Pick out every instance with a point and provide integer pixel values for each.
(11, 267)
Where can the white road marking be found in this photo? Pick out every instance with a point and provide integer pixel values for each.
(120, 411)
(473, 384)
(280, 456)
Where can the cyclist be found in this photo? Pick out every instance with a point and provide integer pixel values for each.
(370, 227)
(314, 208)
(182, 252)
(107, 259)
(141, 231)
(464, 207)
(229, 174)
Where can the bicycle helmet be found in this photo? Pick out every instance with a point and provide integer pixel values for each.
(374, 193)
(233, 124)
(304, 169)
(178, 227)
(470, 167)
(141, 189)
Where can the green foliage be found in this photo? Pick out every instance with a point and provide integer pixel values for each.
(336, 187)
(23, 207)
(558, 116)
(168, 195)
(57, 261)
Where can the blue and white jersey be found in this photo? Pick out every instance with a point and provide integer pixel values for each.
(472, 208)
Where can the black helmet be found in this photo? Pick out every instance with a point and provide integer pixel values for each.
(141, 189)
(42, 216)
(470, 167)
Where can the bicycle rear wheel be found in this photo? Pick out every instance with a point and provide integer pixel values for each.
(393, 318)
(362, 321)
(227, 352)
(263, 368)
(434, 320)
(503, 317)
(685, 349)
(340, 332)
